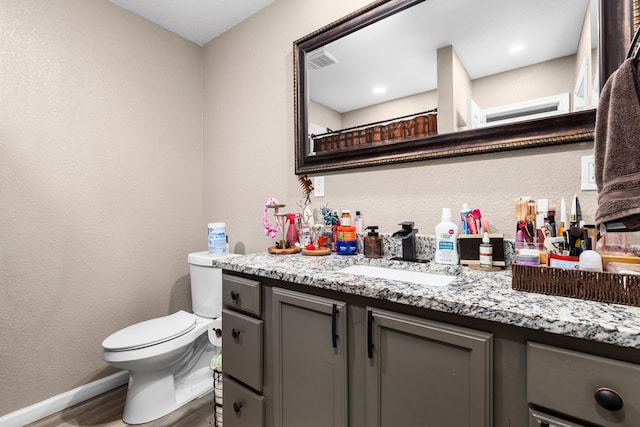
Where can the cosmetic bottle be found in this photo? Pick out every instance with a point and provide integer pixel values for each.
(357, 222)
(292, 231)
(345, 218)
(447, 240)
(373, 243)
(486, 252)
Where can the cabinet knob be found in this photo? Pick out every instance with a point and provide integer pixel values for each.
(235, 295)
(237, 406)
(609, 399)
(235, 332)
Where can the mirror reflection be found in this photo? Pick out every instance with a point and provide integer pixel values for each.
(461, 65)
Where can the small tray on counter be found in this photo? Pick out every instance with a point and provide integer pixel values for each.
(316, 252)
(288, 251)
(589, 285)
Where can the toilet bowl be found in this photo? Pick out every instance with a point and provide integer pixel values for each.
(166, 373)
(168, 357)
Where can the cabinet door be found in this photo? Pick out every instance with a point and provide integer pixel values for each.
(310, 360)
(425, 373)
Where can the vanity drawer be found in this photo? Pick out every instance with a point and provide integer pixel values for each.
(241, 294)
(568, 382)
(242, 348)
(241, 407)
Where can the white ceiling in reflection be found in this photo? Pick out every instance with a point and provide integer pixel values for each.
(403, 46)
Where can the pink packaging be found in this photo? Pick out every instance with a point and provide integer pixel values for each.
(471, 222)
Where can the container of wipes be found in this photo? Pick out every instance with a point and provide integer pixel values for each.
(217, 238)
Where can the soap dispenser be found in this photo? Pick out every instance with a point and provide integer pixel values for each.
(373, 243)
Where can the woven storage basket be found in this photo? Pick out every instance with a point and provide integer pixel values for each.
(589, 285)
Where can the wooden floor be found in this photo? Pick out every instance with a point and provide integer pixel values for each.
(106, 410)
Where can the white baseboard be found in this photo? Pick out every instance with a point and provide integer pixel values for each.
(64, 400)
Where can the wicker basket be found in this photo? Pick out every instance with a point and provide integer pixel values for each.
(589, 285)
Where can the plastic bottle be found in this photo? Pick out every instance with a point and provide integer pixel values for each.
(292, 231)
(358, 223)
(345, 218)
(486, 252)
(463, 218)
(446, 240)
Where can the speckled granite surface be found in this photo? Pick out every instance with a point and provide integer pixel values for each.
(483, 295)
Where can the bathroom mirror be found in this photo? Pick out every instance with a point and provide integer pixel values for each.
(358, 134)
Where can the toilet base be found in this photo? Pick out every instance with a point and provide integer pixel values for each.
(146, 404)
(152, 395)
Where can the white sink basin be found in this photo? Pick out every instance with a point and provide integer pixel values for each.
(417, 277)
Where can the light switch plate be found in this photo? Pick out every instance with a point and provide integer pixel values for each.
(318, 186)
(588, 175)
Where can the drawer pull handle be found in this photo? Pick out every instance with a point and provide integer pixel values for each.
(235, 332)
(235, 295)
(237, 406)
(609, 399)
(334, 326)
(370, 334)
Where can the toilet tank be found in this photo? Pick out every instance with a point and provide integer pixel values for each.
(206, 284)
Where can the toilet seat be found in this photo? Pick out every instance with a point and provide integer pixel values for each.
(150, 332)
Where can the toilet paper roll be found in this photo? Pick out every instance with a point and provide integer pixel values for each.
(215, 332)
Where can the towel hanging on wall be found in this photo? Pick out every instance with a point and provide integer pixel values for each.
(617, 150)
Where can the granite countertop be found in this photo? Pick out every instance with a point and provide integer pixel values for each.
(478, 294)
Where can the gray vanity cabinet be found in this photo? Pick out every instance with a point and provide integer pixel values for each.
(599, 390)
(242, 352)
(426, 373)
(310, 360)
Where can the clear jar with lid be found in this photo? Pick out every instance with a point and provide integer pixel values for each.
(345, 218)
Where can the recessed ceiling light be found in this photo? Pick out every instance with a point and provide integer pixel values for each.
(516, 49)
(379, 89)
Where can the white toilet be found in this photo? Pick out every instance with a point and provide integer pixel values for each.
(168, 357)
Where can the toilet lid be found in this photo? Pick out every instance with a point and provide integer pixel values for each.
(151, 332)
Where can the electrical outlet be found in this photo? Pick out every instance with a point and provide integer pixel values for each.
(318, 186)
(588, 175)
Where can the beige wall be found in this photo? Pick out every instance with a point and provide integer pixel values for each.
(249, 145)
(100, 186)
(551, 78)
(398, 107)
(522, 84)
(103, 187)
(584, 54)
(324, 116)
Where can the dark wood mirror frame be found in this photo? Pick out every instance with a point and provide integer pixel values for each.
(617, 20)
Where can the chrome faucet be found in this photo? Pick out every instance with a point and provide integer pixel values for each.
(408, 236)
